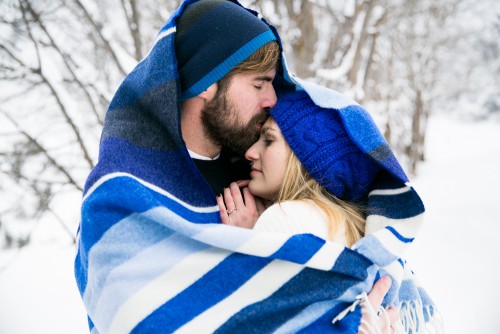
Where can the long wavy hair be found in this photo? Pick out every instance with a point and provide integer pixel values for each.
(298, 184)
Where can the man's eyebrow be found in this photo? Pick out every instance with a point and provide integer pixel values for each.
(267, 78)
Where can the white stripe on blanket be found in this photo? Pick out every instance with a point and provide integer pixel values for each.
(260, 286)
(264, 244)
(408, 227)
(326, 256)
(389, 191)
(151, 263)
(152, 187)
(163, 288)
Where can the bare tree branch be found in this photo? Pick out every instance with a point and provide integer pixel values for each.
(133, 25)
(44, 151)
(65, 58)
(54, 93)
(98, 30)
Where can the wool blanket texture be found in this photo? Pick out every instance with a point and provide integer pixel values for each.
(153, 256)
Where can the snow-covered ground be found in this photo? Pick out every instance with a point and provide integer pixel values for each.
(456, 253)
(455, 256)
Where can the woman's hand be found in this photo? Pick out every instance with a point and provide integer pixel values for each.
(237, 210)
(387, 323)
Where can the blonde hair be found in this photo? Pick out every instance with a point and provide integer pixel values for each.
(299, 185)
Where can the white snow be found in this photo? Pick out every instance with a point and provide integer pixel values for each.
(455, 255)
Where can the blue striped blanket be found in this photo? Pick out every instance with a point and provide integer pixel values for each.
(154, 257)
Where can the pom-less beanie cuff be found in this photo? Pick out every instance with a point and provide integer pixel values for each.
(213, 37)
(231, 62)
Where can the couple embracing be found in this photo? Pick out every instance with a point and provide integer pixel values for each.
(180, 233)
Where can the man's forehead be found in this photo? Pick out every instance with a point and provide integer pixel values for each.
(259, 76)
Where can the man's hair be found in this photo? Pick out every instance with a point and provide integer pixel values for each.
(298, 184)
(263, 60)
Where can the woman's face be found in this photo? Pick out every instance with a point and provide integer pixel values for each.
(270, 158)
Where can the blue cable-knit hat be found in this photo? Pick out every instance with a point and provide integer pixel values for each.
(320, 141)
(214, 36)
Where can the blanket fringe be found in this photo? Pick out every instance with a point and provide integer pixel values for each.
(418, 319)
(414, 318)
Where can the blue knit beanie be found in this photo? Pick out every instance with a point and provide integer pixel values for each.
(320, 141)
(214, 36)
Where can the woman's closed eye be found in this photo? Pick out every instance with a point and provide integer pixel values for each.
(267, 140)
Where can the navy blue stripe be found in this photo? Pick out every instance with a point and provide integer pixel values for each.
(399, 236)
(397, 206)
(307, 287)
(213, 287)
(349, 324)
(120, 197)
(351, 263)
(115, 200)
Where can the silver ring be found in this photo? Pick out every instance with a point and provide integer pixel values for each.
(231, 211)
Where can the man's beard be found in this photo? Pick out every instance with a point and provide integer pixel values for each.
(222, 124)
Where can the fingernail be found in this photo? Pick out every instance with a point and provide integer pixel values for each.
(387, 281)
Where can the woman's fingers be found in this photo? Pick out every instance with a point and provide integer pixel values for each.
(239, 207)
(242, 183)
(380, 288)
(393, 314)
(228, 200)
(236, 194)
(222, 210)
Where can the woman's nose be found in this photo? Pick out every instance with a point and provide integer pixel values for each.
(251, 154)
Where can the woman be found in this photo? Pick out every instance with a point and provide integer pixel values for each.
(328, 204)
(313, 178)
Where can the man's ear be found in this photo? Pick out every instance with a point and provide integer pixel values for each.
(209, 93)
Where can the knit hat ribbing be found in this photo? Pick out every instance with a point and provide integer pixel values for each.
(320, 141)
(214, 36)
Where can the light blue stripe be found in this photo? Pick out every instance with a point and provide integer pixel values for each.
(325, 97)
(226, 237)
(119, 244)
(373, 249)
(140, 271)
(120, 253)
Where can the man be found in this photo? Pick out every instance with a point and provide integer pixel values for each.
(145, 259)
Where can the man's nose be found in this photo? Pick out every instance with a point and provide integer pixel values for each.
(269, 99)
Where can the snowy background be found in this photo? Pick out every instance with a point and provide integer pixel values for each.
(455, 255)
